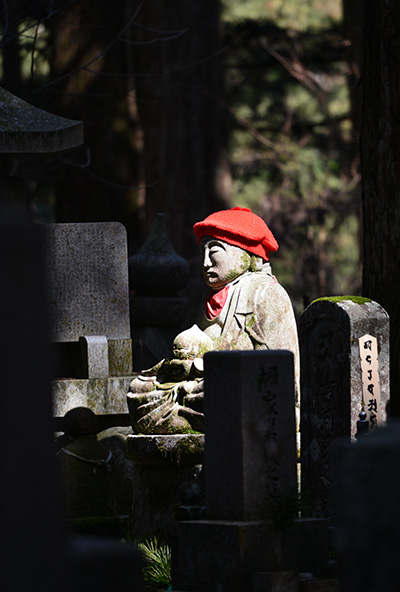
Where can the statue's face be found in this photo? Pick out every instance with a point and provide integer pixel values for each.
(222, 262)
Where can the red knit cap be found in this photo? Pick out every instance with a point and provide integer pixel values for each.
(239, 227)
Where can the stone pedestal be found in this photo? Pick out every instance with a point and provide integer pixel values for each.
(166, 475)
(226, 556)
(100, 395)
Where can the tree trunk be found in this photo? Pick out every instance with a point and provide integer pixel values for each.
(92, 83)
(179, 90)
(380, 158)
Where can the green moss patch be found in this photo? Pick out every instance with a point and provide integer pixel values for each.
(355, 299)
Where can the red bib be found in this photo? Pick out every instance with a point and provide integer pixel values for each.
(216, 302)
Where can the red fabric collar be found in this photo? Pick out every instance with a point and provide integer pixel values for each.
(216, 301)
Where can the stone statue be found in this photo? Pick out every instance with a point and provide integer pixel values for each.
(244, 308)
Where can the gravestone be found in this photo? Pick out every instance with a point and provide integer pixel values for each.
(344, 349)
(250, 449)
(252, 531)
(366, 477)
(89, 314)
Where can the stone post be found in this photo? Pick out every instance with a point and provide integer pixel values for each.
(251, 536)
(250, 450)
(344, 352)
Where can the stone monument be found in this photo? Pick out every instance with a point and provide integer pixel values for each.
(344, 345)
(245, 308)
(89, 314)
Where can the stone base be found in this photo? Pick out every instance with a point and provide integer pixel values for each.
(218, 555)
(166, 474)
(212, 553)
(101, 395)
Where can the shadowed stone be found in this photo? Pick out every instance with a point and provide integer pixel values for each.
(332, 383)
(366, 478)
(250, 450)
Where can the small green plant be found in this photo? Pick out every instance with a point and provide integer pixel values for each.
(157, 558)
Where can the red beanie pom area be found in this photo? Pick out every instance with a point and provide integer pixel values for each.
(239, 227)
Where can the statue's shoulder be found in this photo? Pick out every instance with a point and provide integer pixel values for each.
(253, 288)
(257, 280)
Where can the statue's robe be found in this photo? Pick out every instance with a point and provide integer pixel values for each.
(258, 314)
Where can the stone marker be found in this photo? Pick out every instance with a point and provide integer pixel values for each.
(366, 477)
(89, 292)
(332, 394)
(250, 472)
(89, 313)
(250, 454)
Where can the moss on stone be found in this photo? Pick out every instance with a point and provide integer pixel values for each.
(251, 321)
(355, 299)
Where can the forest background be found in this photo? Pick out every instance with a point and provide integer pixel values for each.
(191, 107)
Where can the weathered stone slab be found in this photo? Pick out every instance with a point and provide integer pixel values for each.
(168, 449)
(120, 357)
(101, 395)
(366, 478)
(250, 447)
(332, 395)
(88, 280)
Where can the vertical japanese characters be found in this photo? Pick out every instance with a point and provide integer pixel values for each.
(371, 392)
